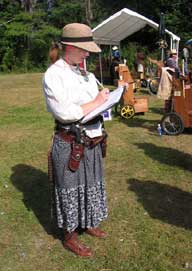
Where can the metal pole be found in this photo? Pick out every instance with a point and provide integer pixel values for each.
(100, 67)
(120, 51)
(183, 82)
(110, 54)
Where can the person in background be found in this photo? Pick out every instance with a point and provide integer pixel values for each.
(172, 63)
(186, 57)
(114, 64)
(76, 157)
(170, 72)
(114, 49)
(139, 64)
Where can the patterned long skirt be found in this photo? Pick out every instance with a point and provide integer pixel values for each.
(80, 196)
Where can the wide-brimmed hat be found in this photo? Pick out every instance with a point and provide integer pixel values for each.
(81, 36)
(174, 52)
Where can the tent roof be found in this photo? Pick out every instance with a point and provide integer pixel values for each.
(121, 25)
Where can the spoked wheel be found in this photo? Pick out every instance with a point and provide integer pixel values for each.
(172, 124)
(153, 85)
(127, 111)
(118, 108)
(144, 83)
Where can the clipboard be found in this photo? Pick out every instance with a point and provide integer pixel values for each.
(114, 98)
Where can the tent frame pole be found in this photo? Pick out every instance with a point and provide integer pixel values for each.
(100, 67)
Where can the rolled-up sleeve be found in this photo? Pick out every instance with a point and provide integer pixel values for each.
(60, 98)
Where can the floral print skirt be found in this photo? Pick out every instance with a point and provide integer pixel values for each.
(80, 196)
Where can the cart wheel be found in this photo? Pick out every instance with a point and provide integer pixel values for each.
(153, 85)
(144, 83)
(118, 109)
(172, 124)
(127, 111)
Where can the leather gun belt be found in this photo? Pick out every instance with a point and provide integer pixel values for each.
(87, 141)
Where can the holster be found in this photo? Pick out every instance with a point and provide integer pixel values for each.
(104, 147)
(77, 151)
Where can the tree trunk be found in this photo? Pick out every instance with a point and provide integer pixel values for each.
(28, 5)
(88, 10)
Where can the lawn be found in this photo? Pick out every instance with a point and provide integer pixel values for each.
(148, 181)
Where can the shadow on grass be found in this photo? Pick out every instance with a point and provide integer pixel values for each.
(164, 202)
(167, 156)
(157, 110)
(33, 183)
(136, 121)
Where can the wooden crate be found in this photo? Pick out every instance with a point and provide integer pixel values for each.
(141, 105)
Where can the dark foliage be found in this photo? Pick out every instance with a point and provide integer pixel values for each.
(27, 27)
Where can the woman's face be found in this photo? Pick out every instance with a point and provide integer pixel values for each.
(74, 55)
(174, 56)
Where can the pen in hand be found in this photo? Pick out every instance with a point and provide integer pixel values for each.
(99, 83)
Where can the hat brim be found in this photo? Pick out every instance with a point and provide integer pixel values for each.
(89, 46)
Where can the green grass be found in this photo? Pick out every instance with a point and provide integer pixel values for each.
(148, 180)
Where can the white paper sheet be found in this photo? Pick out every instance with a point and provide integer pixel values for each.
(114, 98)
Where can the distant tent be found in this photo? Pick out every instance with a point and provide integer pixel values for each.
(123, 24)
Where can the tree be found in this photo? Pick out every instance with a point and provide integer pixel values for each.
(88, 11)
(27, 27)
(28, 5)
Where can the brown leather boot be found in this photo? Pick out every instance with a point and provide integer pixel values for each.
(72, 243)
(96, 232)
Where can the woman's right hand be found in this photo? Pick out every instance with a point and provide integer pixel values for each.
(102, 96)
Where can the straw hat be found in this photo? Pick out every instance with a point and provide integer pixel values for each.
(79, 35)
(174, 52)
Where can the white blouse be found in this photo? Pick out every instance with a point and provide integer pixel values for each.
(66, 90)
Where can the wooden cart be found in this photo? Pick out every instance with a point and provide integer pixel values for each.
(129, 105)
(180, 116)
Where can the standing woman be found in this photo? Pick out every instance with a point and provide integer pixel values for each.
(70, 94)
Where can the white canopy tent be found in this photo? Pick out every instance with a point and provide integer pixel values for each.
(123, 24)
